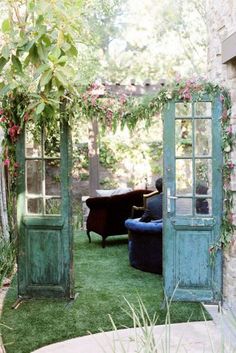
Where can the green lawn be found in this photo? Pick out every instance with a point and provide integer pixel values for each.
(103, 278)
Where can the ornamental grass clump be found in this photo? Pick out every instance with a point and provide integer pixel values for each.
(144, 338)
(7, 259)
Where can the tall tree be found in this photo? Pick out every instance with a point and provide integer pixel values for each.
(157, 39)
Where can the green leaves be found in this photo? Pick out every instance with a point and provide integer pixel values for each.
(46, 77)
(40, 108)
(61, 77)
(17, 66)
(54, 55)
(42, 68)
(6, 52)
(42, 52)
(6, 26)
(62, 60)
(3, 62)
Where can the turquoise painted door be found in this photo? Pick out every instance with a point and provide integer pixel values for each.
(44, 213)
(193, 200)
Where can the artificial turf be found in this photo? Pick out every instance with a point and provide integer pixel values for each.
(103, 280)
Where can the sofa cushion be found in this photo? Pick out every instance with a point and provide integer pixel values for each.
(150, 227)
(112, 192)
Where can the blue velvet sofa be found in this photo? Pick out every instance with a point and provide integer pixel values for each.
(107, 214)
(145, 245)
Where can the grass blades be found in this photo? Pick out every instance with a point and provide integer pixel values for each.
(7, 259)
(103, 278)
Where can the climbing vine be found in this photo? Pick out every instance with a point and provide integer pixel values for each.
(19, 107)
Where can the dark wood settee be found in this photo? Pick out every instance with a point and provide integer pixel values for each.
(107, 214)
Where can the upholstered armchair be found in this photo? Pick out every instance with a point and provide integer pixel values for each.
(107, 214)
(145, 240)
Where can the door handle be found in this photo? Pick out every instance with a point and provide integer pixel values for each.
(169, 198)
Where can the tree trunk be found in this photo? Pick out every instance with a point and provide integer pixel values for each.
(3, 200)
(93, 158)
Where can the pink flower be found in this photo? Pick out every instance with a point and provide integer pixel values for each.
(1, 112)
(26, 117)
(222, 98)
(109, 114)
(85, 97)
(229, 130)
(94, 100)
(7, 162)
(16, 165)
(123, 99)
(94, 86)
(13, 131)
(178, 78)
(230, 165)
(189, 83)
(3, 119)
(224, 115)
(186, 94)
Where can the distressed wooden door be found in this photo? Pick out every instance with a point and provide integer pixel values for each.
(193, 200)
(44, 213)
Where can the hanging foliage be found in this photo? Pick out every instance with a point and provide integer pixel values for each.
(19, 107)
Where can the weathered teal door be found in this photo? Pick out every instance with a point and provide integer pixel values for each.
(44, 213)
(193, 200)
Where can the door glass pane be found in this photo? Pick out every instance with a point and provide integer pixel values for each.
(53, 206)
(183, 206)
(52, 177)
(35, 206)
(184, 176)
(183, 138)
(203, 206)
(52, 143)
(202, 109)
(203, 176)
(34, 177)
(203, 137)
(32, 141)
(183, 110)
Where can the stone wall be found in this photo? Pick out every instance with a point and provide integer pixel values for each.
(221, 24)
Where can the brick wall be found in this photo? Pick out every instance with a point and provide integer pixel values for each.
(222, 23)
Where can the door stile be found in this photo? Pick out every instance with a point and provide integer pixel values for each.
(21, 243)
(168, 177)
(218, 204)
(66, 168)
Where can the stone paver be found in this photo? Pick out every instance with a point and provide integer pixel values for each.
(194, 337)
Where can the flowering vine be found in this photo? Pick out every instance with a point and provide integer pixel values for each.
(13, 115)
(111, 111)
(129, 112)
